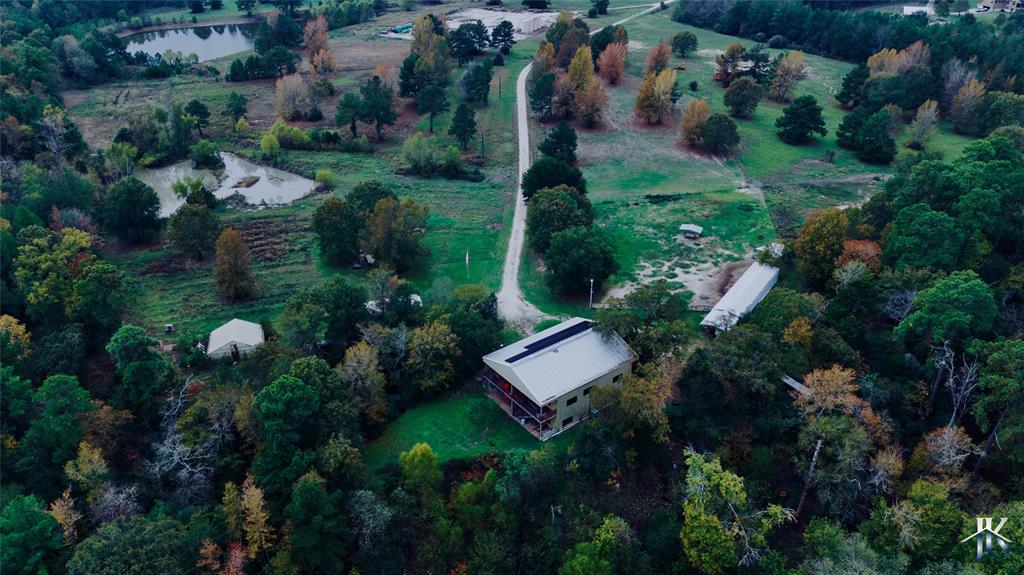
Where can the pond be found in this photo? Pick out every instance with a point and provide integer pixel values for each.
(206, 42)
(259, 185)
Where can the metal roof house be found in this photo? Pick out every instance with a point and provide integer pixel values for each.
(544, 381)
(691, 231)
(742, 298)
(234, 339)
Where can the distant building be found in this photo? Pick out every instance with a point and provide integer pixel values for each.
(741, 299)
(1000, 5)
(691, 231)
(544, 381)
(234, 339)
(925, 9)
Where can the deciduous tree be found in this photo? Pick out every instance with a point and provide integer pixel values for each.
(788, 73)
(658, 58)
(131, 210)
(819, 243)
(611, 63)
(695, 116)
(337, 225)
(574, 257)
(742, 97)
(684, 42)
(231, 271)
(192, 230)
(548, 172)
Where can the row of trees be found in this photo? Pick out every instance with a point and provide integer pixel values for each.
(565, 67)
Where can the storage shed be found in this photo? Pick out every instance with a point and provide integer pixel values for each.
(742, 298)
(234, 339)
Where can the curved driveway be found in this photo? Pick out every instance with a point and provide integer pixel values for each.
(512, 304)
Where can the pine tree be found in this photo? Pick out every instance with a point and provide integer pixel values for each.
(560, 143)
(463, 126)
(231, 271)
(431, 100)
(799, 120)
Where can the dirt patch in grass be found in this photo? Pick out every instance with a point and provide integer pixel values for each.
(266, 239)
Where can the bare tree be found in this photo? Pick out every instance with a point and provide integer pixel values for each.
(899, 303)
(961, 382)
(114, 502)
(954, 75)
(188, 467)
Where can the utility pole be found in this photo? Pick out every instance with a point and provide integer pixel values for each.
(591, 306)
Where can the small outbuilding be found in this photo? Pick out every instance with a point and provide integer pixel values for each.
(544, 381)
(234, 339)
(741, 299)
(691, 231)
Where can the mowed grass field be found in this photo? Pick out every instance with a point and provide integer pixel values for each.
(458, 426)
(465, 217)
(644, 183)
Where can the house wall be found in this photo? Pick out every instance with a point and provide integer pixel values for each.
(580, 409)
(224, 352)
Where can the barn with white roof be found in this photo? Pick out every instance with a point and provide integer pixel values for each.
(742, 298)
(234, 339)
(544, 381)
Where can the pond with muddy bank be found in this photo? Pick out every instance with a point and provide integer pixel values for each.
(258, 186)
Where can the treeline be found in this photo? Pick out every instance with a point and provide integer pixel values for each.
(994, 50)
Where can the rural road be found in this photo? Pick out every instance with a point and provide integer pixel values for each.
(512, 304)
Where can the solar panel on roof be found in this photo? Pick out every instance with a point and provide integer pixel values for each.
(550, 340)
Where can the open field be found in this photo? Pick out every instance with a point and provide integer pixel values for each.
(764, 191)
(456, 427)
(465, 216)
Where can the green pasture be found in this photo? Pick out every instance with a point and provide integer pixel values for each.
(457, 426)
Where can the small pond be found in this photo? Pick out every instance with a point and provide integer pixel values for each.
(267, 186)
(206, 42)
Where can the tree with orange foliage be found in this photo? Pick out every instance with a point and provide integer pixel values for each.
(646, 104)
(695, 115)
(852, 457)
(658, 58)
(589, 103)
(315, 35)
(865, 251)
(322, 63)
(612, 63)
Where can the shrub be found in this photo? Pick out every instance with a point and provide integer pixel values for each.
(325, 178)
(205, 154)
(270, 146)
(778, 41)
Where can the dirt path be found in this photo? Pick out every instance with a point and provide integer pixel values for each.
(512, 304)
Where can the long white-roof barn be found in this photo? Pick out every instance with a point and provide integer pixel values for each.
(742, 297)
(234, 339)
(544, 381)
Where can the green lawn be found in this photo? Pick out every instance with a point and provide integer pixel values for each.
(456, 427)
(465, 217)
(643, 183)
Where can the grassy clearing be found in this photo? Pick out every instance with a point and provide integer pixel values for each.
(766, 189)
(456, 427)
(465, 216)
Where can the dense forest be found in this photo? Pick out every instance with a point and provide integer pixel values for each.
(903, 318)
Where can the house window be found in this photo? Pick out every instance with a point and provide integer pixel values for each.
(566, 421)
(617, 378)
(571, 400)
(587, 390)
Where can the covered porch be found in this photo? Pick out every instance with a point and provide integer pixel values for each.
(538, 420)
